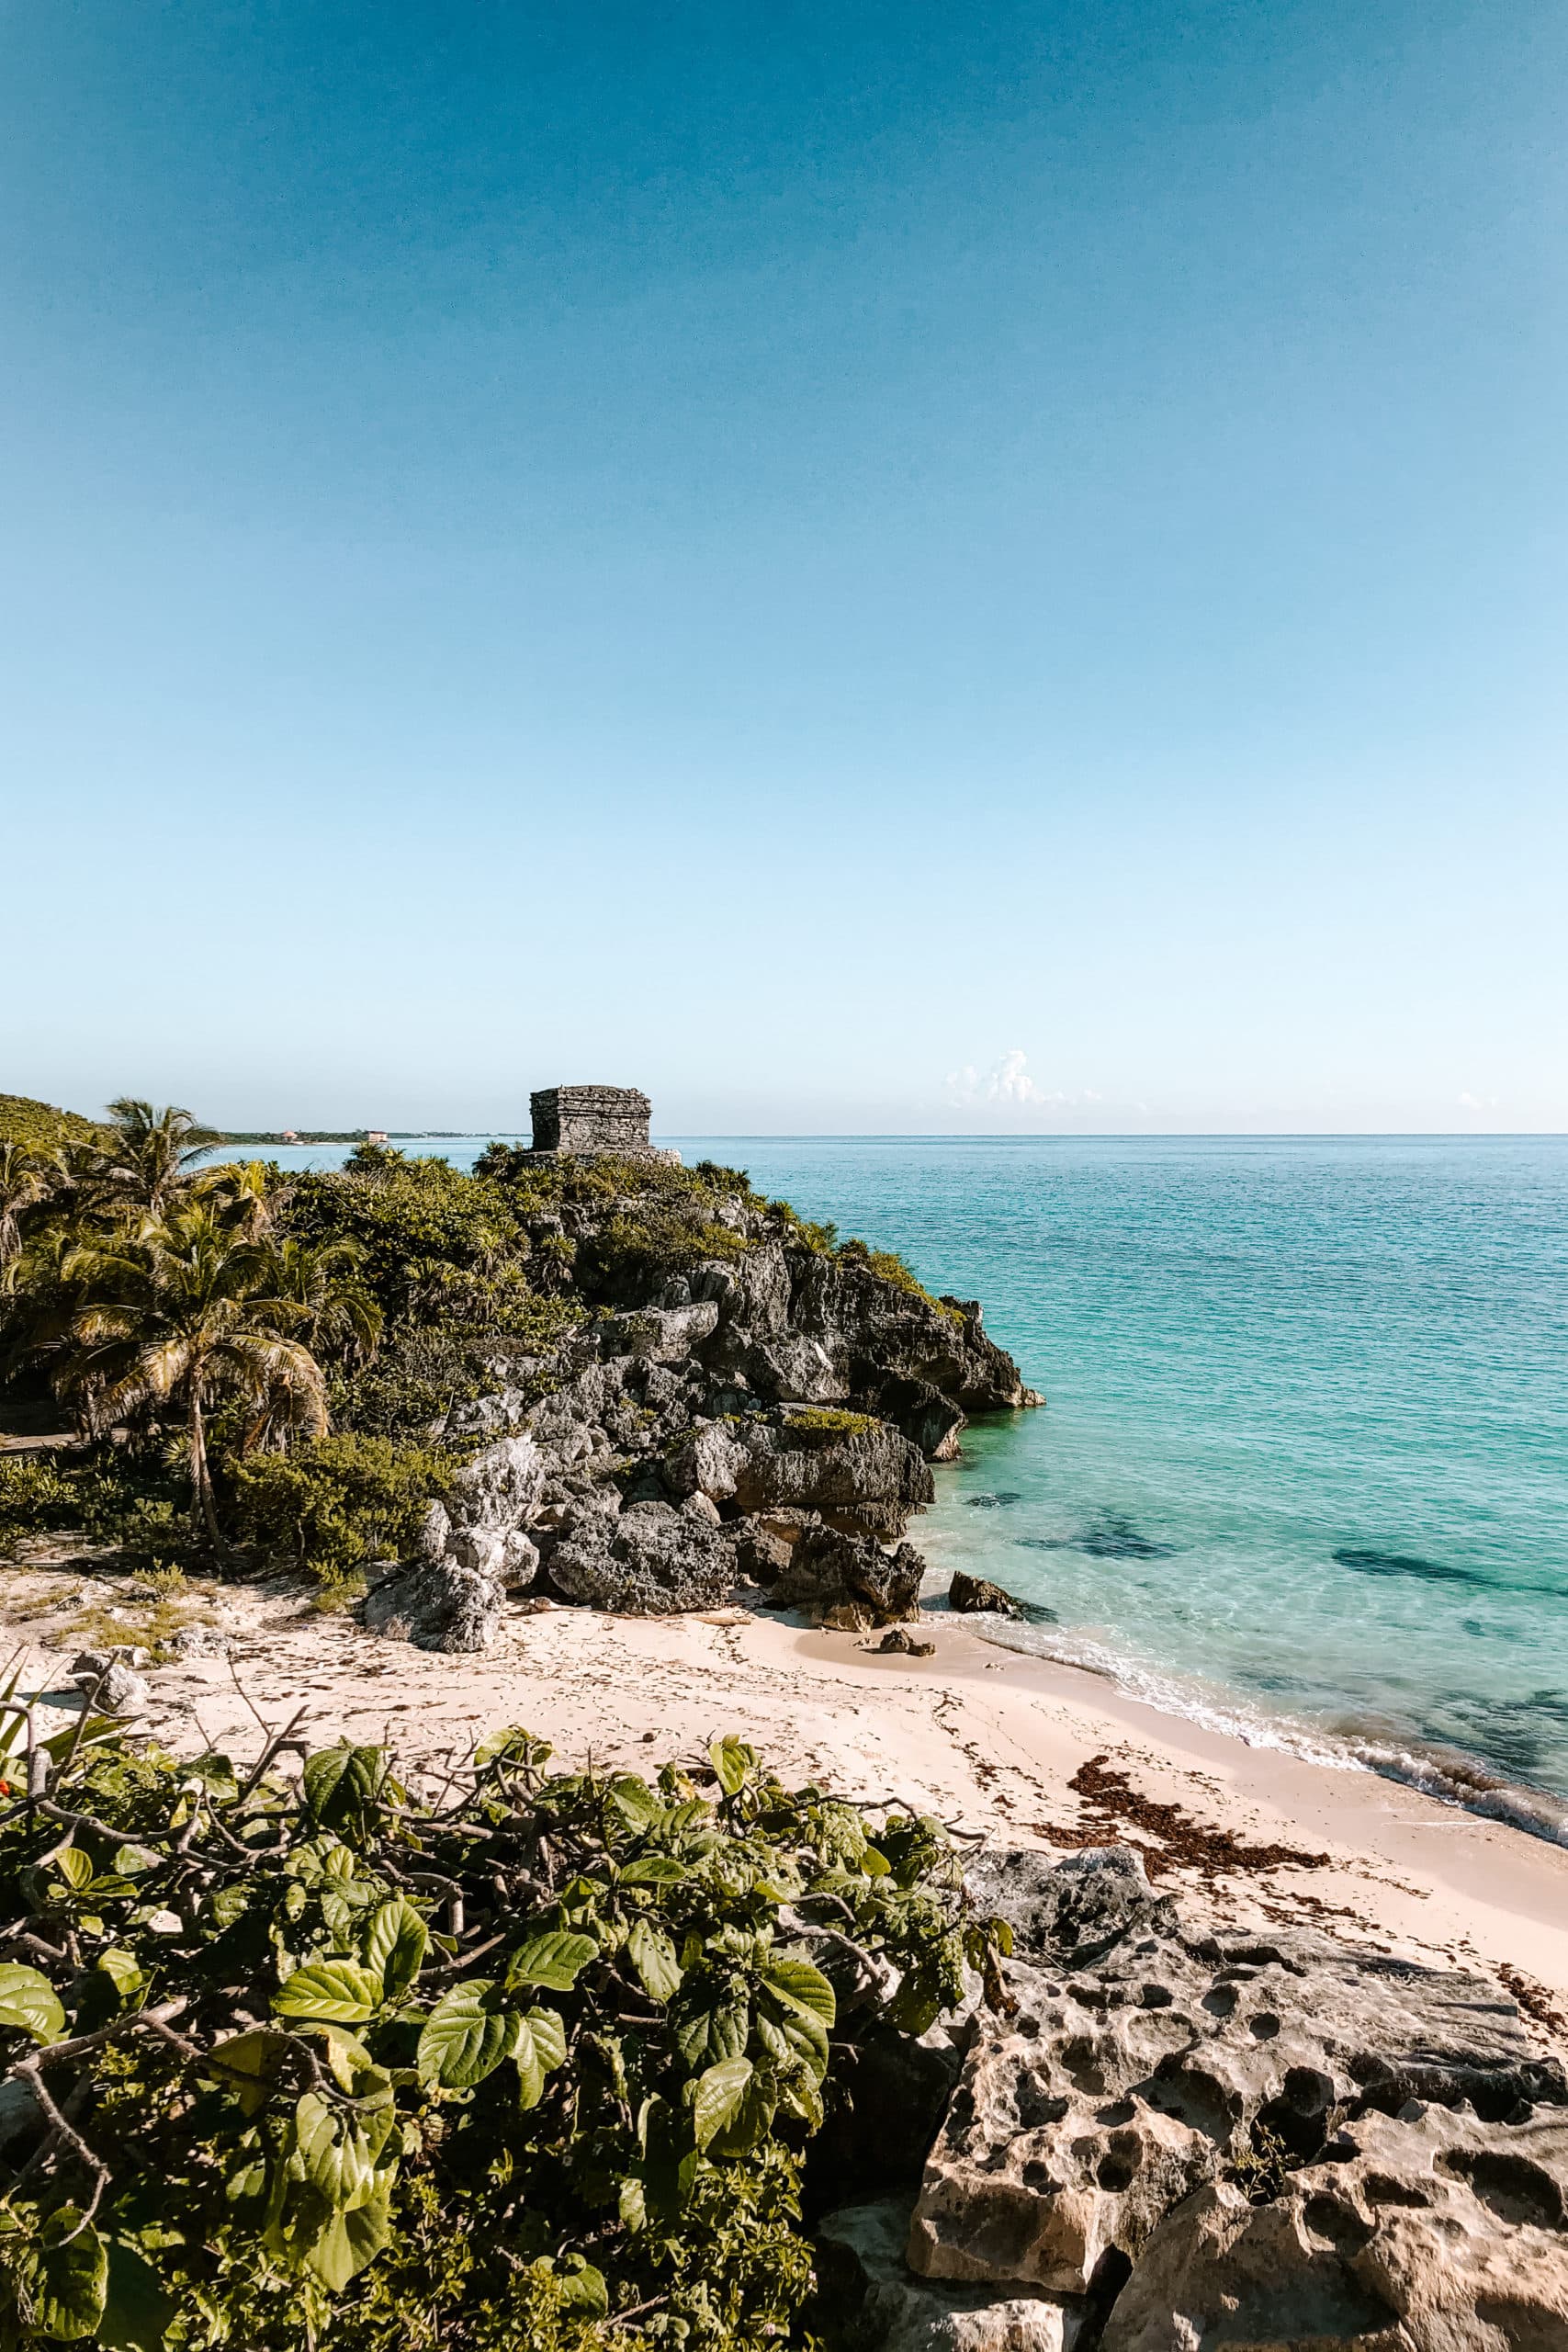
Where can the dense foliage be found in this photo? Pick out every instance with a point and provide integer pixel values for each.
(537, 2063)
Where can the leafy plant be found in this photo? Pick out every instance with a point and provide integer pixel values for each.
(538, 2065)
(332, 1505)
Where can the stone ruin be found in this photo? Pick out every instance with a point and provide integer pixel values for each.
(587, 1119)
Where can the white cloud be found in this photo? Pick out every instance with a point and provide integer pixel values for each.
(1009, 1084)
(1478, 1102)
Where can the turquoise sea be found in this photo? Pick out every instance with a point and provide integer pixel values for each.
(1303, 1468)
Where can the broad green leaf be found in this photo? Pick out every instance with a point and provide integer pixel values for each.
(248, 2064)
(138, 2309)
(553, 1960)
(130, 1862)
(635, 1801)
(350, 2240)
(336, 1989)
(803, 1986)
(353, 2068)
(539, 2047)
(718, 2096)
(28, 2003)
(66, 2270)
(122, 1971)
(465, 2037)
(653, 1956)
(75, 1867)
(752, 2119)
(734, 1763)
(339, 1783)
(549, 2029)
(655, 1870)
(793, 2035)
(395, 1944)
(714, 2022)
(334, 2153)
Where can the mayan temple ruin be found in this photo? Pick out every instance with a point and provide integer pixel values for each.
(586, 1119)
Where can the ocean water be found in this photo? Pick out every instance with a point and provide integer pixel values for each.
(1303, 1468)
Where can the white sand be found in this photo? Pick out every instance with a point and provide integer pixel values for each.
(986, 1737)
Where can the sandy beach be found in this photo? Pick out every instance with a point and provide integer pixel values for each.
(1003, 1747)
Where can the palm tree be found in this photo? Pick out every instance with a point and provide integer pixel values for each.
(149, 1157)
(247, 1191)
(185, 1311)
(23, 1179)
(337, 1314)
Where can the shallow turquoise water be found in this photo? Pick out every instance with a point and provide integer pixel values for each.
(1258, 1354)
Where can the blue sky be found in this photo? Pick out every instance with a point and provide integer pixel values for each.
(862, 566)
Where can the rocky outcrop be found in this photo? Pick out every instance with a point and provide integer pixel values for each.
(780, 1387)
(1191, 2137)
(438, 1606)
(1428, 2229)
(650, 1560)
(858, 1473)
(828, 1568)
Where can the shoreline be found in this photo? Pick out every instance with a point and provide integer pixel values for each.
(996, 1741)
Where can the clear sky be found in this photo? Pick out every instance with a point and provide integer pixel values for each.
(862, 566)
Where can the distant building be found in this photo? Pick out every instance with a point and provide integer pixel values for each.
(376, 1135)
(290, 1135)
(587, 1119)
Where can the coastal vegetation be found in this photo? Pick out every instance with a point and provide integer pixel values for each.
(539, 2063)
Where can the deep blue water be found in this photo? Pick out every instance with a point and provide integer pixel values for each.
(1303, 1468)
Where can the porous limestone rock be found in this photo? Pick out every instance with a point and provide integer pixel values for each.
(1429, 2232)
(650, 1560)
(862, 2258)
(1154, 2061)
(107, 1680)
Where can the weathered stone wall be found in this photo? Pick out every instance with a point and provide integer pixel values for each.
(591, 1118)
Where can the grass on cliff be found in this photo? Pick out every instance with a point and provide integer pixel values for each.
(38, 1127)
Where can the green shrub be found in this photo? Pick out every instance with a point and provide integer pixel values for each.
(111, 1496)
(331, 1506)
(535, 2069)
(33, 1498)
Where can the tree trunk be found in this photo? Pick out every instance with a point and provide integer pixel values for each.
(204, 1508)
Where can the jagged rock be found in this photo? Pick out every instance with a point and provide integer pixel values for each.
(859, 1472)
(708, 1463)
(761, 1552)
(862, 2261)
(1069, 1909)
(969, 1594)
(439, 1605)
(926, 1418)
(109, 1683)
(898, 1637)
(197, 1641)
(1168, 2057)
(1430, 2231)
(876, 1330)
(830, 1570)
(651, 1561)
(657, 1335)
